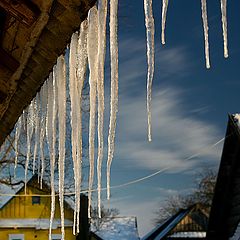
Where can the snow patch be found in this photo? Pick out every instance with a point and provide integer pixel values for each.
(189, 235)
(124, 228)
(4, 189)
(236, 235)
(37, 223)
(236, 118)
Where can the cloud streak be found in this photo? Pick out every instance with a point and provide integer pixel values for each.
(178, 132)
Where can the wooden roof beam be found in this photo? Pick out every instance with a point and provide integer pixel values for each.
(2, 23)
(23, 10)
(8, 61)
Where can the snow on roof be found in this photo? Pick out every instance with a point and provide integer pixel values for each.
(37, 223)
(236, 235)
(166, 226)
(70, 202)
(189, 235)
(236, 118)
(5, 189)
(118, 228)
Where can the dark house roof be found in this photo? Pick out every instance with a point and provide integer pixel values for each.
(95, 236)
(225, 211)
(32, 35)
(197, 222)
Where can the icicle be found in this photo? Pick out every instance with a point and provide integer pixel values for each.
(81, 72)
(61, 78)
(29, 138)
(102, 15)
(44, 96)
(114, 87)
(52, 124)
(149, 22)
(92, 49)
(16, 142)
(74, 109)
(37, 133)
(224, 26)
(50, 127)
(164, 15)
(205, 27)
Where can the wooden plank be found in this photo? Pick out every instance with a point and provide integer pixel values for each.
(24, 11)
(8, 61)
(2, 23)
(2, 96)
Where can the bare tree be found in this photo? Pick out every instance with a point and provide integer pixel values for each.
(107, 215)
(203, 194)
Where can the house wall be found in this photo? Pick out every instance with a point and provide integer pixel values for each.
(33, 234)
(22, 208)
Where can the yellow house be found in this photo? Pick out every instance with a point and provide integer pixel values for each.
(27, 218)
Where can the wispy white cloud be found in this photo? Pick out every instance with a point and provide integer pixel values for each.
(177, 131)
(169, 62)
(176, 134)
(166, 192)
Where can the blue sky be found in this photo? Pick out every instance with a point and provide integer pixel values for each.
(190, 103)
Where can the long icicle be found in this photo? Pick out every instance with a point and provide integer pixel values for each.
(29, 138)
(92, 49)
(164, 16)
(149, 22)
(224, 26)
(81, 73)
(53, 152)
(61, 78)
(114, 87)
(102, 17)
(74, 108)
(49, 134)
(16, 142)
(40, 97)
(37, 133)
(44, 100)
(205, 27)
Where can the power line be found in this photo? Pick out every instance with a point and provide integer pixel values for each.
(123, 184)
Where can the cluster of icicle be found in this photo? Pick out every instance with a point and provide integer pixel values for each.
(47, 112)
(46, 115)
(149, 22)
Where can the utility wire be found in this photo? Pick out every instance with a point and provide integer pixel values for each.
(123, 184)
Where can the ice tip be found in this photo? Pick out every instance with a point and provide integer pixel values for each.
(149, 137)
(226, 55)
(208, 64)
(163, 40)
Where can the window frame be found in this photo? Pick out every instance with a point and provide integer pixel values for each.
(36, 197)
(56, 236)
(15, 236)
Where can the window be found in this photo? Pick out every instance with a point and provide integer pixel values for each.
(56, 236)
(16, 236)
(35, 200)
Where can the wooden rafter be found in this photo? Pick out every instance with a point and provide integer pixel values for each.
(8, 61)
(2, 22)
(23, 10)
